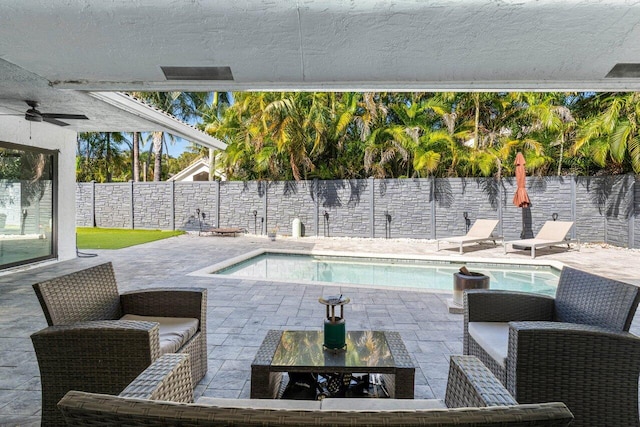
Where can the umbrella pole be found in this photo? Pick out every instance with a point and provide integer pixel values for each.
(527, 231)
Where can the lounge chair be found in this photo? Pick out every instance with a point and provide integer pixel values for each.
(552, 233)
(481, 231)
(230, 231)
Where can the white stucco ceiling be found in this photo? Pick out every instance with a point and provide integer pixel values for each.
(50, 46)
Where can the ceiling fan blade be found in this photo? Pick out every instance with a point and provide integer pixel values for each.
(54, 121)
(65, 116)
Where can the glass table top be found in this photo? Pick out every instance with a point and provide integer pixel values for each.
(305, 348)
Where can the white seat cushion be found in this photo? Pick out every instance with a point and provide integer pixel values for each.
(174, 331)
(369, 404)
(260, 403)
(493, 337)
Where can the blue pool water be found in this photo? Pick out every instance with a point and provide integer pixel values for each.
(390, 273)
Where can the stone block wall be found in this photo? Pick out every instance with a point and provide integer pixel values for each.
(287, 200)
(153, 206)
(113, 205)
(189, 196)
(408, 204)
(348, 206)
(84, 204)
(604, 209)
(238, 200)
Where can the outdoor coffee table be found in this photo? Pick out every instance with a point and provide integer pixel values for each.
(375, 352)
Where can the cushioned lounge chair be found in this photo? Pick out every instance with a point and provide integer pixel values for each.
(229, 231)
(552, 233)
(99, 340)
(574, 348)
(481, 231)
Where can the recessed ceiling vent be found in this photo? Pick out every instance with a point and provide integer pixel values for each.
(625, 71)
(197, 73)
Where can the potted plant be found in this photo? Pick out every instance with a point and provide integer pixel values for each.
(272, 233)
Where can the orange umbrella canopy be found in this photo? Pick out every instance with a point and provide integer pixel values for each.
(521, 198)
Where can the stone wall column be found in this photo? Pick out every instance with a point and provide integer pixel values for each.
(372, 208)
(316, 202)
(574, 207)
(216, 188)
(172, 225)
(632, 215)
(93, 203)
(132, 204)
(498, 183)
(432, 200)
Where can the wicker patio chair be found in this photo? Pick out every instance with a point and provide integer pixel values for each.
(574, 348)
(89, 347)
(160, 397)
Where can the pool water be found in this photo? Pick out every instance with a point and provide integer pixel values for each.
(390, 273)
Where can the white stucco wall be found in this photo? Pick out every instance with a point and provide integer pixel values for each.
(44, 135)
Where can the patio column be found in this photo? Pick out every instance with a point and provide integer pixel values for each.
(372, 207)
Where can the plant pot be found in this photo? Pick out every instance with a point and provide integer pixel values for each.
(272, 236)
(463, 282)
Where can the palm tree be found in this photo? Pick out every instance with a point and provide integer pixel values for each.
(613, 133)
(100, 157)
(549, 118)
(183, 105)
(135, 156)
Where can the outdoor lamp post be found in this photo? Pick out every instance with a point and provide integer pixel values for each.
(255, 221)
(387, 225)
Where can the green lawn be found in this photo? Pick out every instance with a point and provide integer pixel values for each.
(117, 238)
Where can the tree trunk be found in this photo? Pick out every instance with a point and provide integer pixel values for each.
(135, 157)
(212, 164)
(476, 140)
(561, 153)
(157, 150)
(108, 157)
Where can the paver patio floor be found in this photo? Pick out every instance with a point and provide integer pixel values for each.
(240, 312)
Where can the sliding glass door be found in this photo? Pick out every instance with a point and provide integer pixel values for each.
(27, 204)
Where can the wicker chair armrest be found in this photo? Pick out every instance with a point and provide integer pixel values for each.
(481, 305)
(166, 302)
(540, 327)
(120, 337)
(168, 379)
(471, 384)
(575, 349)
(102, 327)
(101, 356)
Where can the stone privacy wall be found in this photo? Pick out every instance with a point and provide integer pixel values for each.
(604, 209)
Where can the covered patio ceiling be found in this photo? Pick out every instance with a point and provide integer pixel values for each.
(50, 46)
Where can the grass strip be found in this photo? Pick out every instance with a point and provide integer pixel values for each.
(118, 238)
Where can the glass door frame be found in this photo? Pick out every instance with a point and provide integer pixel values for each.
(54, 202)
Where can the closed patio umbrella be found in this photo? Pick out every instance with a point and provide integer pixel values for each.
(521, 198)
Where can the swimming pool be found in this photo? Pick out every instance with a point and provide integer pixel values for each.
(388, 273)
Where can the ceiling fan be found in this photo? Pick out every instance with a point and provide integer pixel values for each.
(33, 115)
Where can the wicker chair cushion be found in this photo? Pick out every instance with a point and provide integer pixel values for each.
(493, 337)
(174, 331)
(364, 404)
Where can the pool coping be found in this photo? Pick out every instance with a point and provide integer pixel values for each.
(210, 271)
